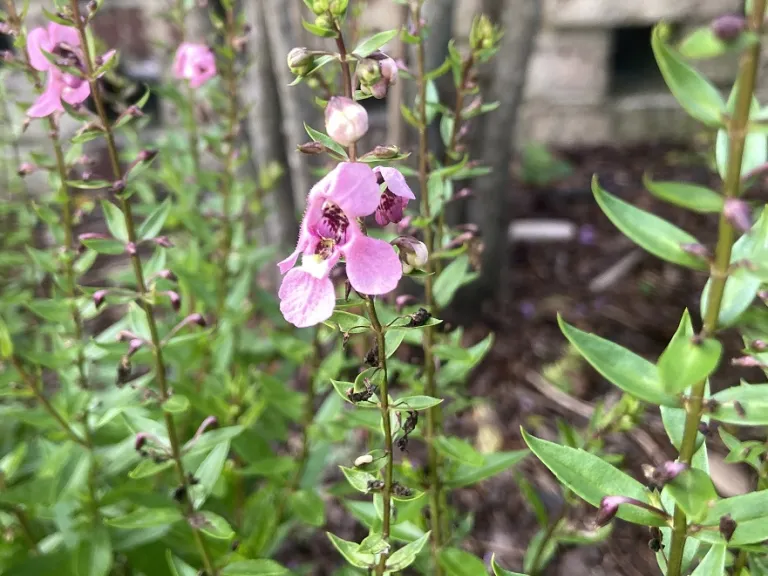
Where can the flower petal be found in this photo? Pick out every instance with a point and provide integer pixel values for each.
(395, 182)
(373, 267)
(76, 95)
(48, 102)
(60, 34)
(353, 186)
(37, 41)
(306, 300)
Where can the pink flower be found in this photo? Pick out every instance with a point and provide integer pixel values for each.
(395, 197)
(64, 43)
(194, 62)
(329, 231)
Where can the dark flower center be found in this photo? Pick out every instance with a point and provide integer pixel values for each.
(332, 229)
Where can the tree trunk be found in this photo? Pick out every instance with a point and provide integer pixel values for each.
(439, 16)
(265, 132)
(520, 21)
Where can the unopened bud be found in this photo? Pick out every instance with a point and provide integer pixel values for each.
(346, 121)
(92, 6)
(167, 275)
(175, 300)
(204, 425)
(198, 319)
(311, 148)
(363, 460)
(26, 168)
(323, 21)
(609, 507)
(141, 440)
(759, 345)
(482, 34)
(118, 186)
(134, 346)
(124, 370)
(368, 71)
(300, 61)
(98, 298)
(163, 241)
(727, 527)
(130, 249)
(146, 155)
(698, 250)
(747, 362)
(386, 152)
(729, 27)
(413, 253)
(91, 236)
(389, 70)
(339, 7)
(738, 213)
(320, 6)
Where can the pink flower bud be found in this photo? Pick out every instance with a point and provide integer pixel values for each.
(26, 168)
(386, 152)
(134, 346)
(728, 27)
(98, 298)
(738, 213)
(197, 319)
(389, 70)
(346, 121)
(141, 440)
(175, 300)
(167, 275)
(413, 253)
(146, 155)
(311, 148)
(697, 250)
(163, 241)
(403, 300)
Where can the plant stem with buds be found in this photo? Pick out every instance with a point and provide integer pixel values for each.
(386, 492)
(160, 369)
(737, 133)
(346, 75)
(430, 386)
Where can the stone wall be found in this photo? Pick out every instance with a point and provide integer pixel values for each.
(591, 79)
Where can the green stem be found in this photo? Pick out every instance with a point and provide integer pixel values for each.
(737, 133)
(386, 493)
(32, 383)
(160, 368)
(434, 414)
(230, 76)
(346, 75)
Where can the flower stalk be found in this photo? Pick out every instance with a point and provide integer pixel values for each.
(434, 414)
(160, 368)
(737, 133)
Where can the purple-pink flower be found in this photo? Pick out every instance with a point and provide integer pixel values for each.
(64, 43)
(395, 197)
(195, 63)
(329, 232)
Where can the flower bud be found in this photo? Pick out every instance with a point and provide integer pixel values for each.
(99, 297)
(167, 275)
(368, 71)
(346, 121)
(311, 148)
(146, 155)
(482, 35)
(389, 70)
(738, 214)
(609, 507)
(175, 300)
(320, 6)
(323, 21)
(163, 241)
(413, 253)
(141, 440)
(134, 346)
(386, 152)
(198, 319)
(300, 61)
(363, 460)
(698, 250)
(339, 7)
(728, 27)
(26, 168)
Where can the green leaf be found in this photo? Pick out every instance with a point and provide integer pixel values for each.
(374, 543)
(370, 45)
(694, 492)
(93, 555)
(713, 563)
(216, 527)
(685, 363)
(254, 568)
(348, 322)
(648, 231)
(358, 479)
(325, 140)
(147, 468)
(392, 340)
(115, 221)
(690, 196)
(458, 450)
(176, 404)
(450, 280)
(155, 221)
(438, 190)
(6, 343)
(415, 403)
(493, 464)
(105, 245)
(209, 471)
(749, 511)
(404, 557)
(499, 571)
(456, 562)
(178, 566)
(350, 553)
(57, 311)
(89, 184)
(146, 518)
(624, 369)
(692, 90)
(745, 405)
(317, 30)
(309, 507)
(703, 43)
(592, 478)
(318, 63)
(409, 116)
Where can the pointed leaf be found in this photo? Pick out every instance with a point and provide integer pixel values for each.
(254, 568)
(350, 553)
(404, 557)
(713, 563)
(457, 562)
(209, 471)
(499, 571)
(115, 221)
(493, 464)
(155, 221)
(370, 45)
(690, 196)
(458, 450)
(146, 518)
(745, 405)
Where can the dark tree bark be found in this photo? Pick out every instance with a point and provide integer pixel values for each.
(439, 16)
(265, 131)
(520, 22)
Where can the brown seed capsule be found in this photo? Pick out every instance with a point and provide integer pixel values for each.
(727, 527)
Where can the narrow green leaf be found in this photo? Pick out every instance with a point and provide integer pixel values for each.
(745, 405)
(350, 553)
(358, 479)
(415, 403)
(317, 30)
(749, 511)
(89, 184)
(404, 557)
(178, 567)
(115, 221)
(450, 280)
(216, 527)
(458, 450)
(254, 568)
(685, 362)
(648, 231)
(694, 492)
(374, 543)
(592, 478)
(155, 221)
(624, 369)
(209, 471)
(325, 140)
(713, 563)
(105, 245)
(499, 571)
(692, 90)
(457, 562)
(370, 45)
(493, 464)
(93, 555)
(146, 518)
(690, 196)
